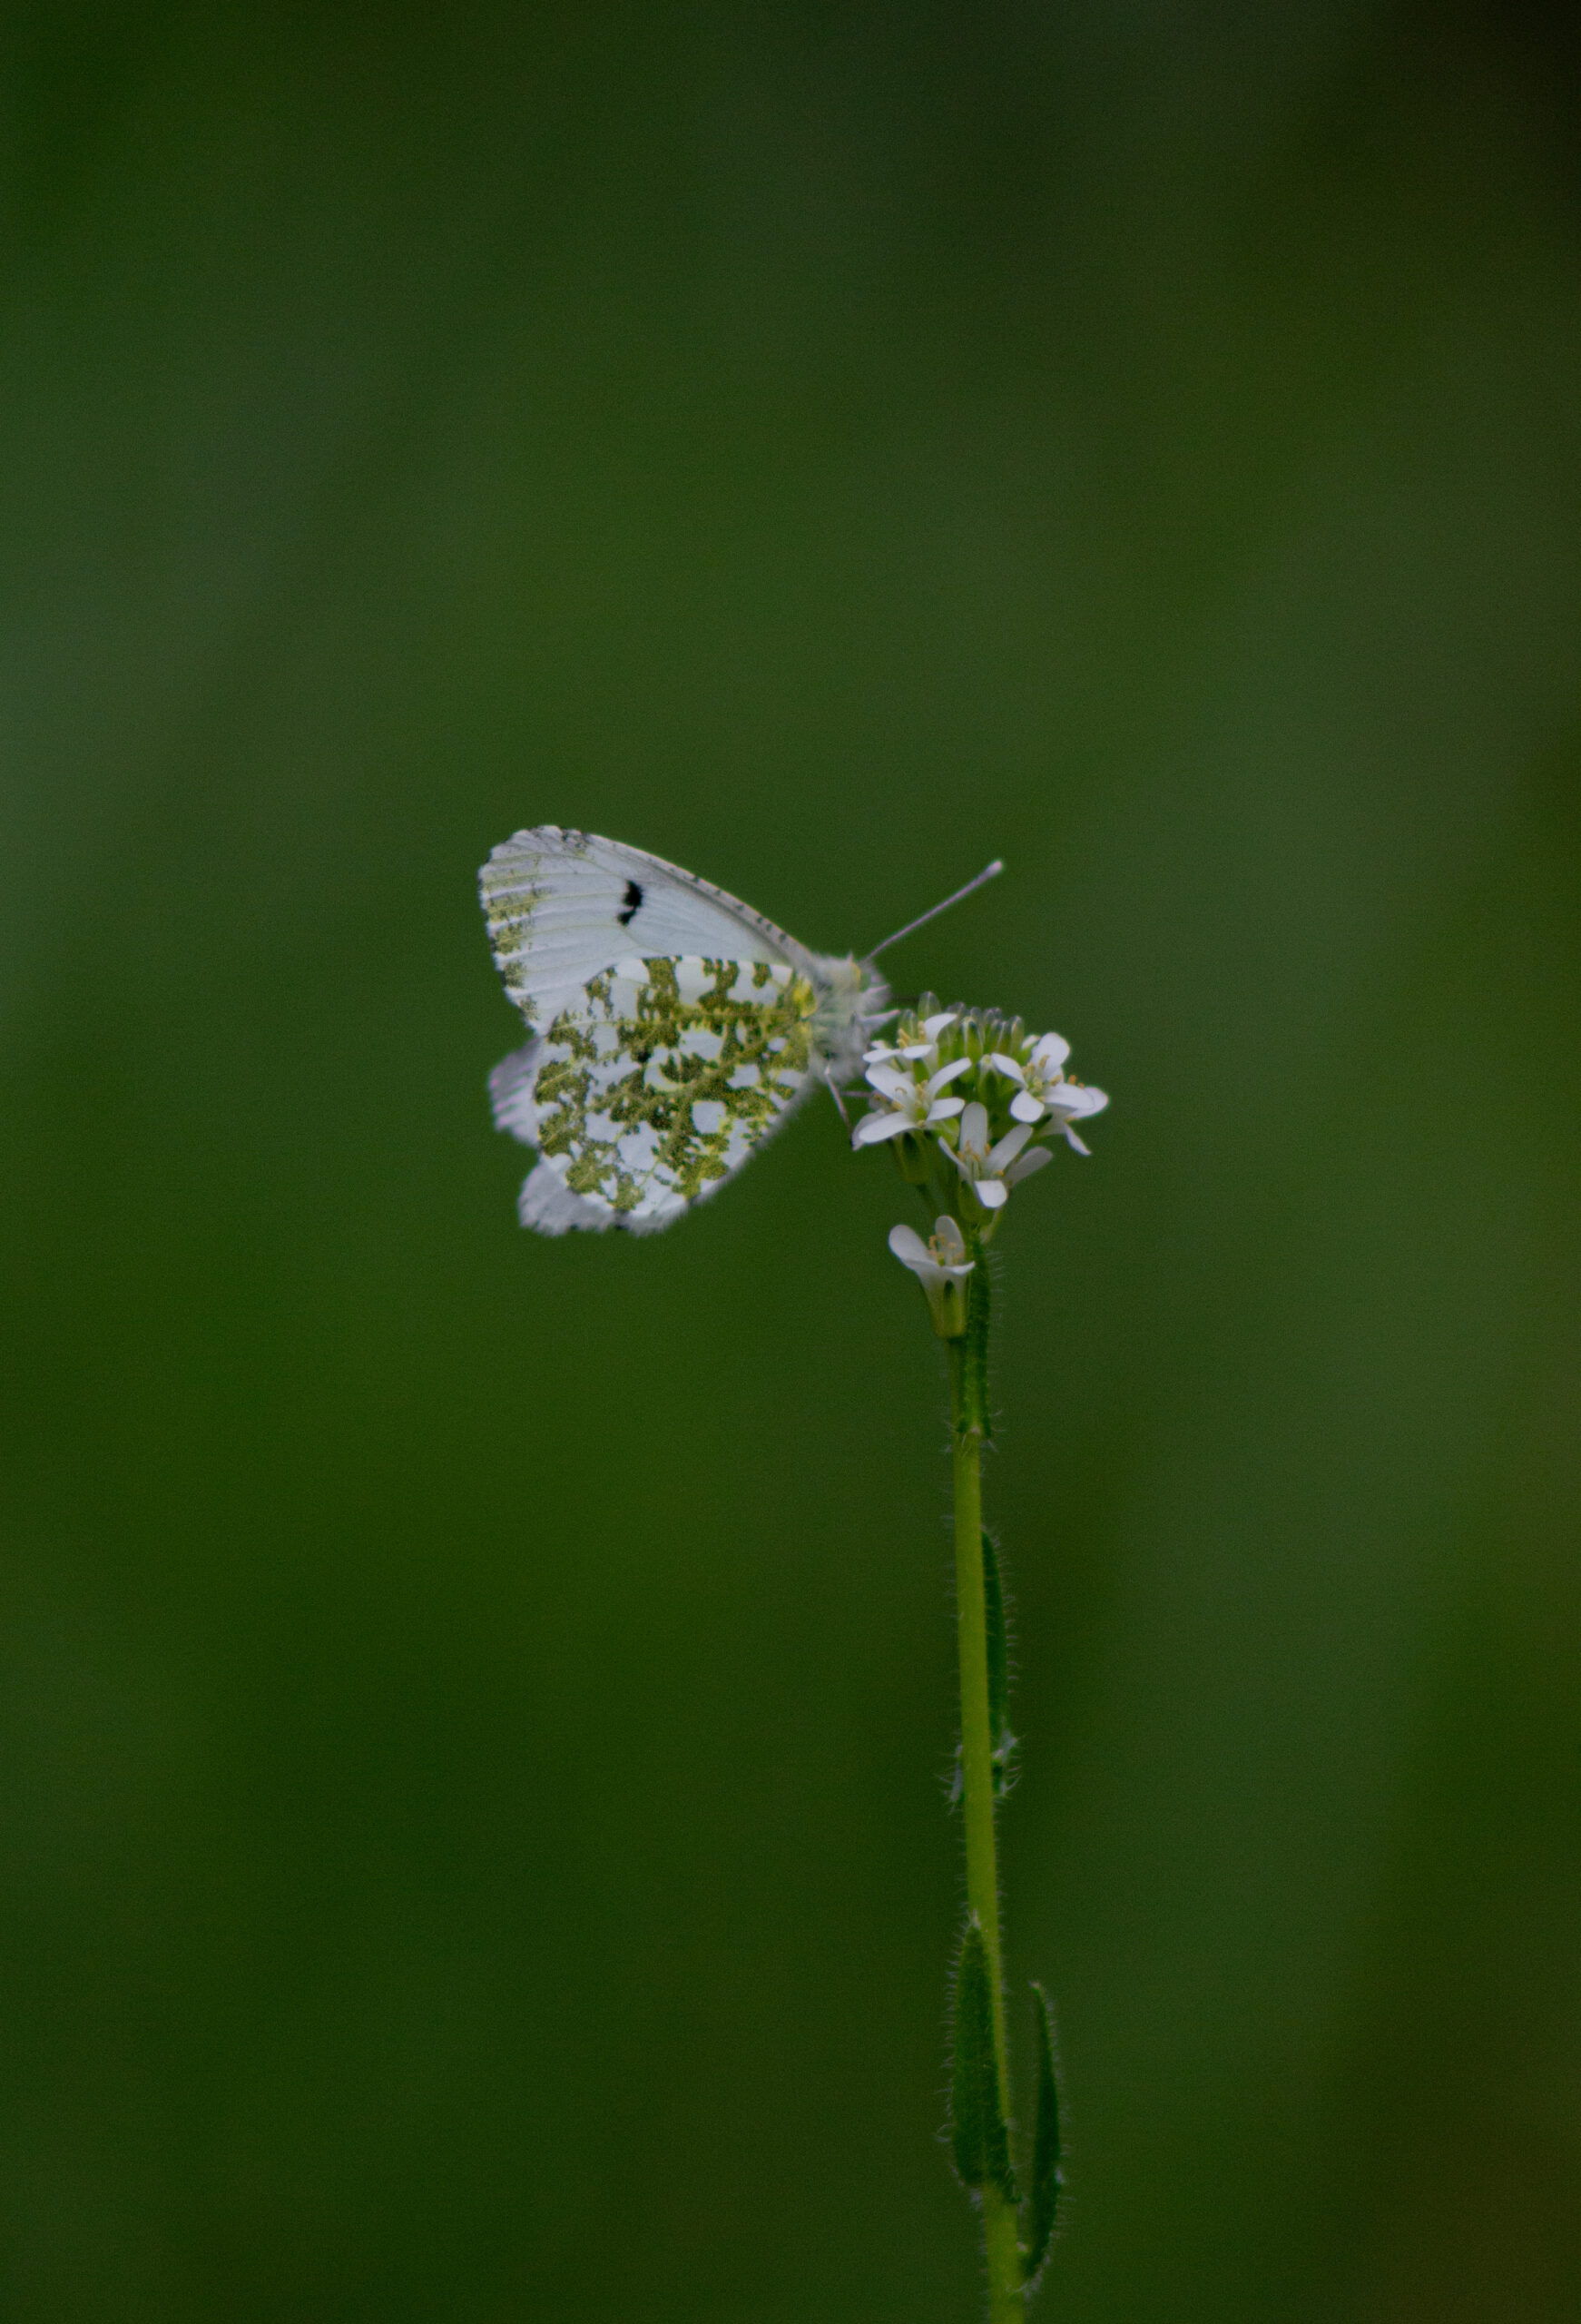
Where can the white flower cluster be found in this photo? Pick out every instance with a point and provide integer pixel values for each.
(968, 1103)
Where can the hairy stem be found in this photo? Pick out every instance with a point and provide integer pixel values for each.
(970, 1425)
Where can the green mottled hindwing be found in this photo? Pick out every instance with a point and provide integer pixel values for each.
(652, 1086)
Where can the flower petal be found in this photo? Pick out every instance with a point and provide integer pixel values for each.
(944, 1110)
(890, 1082)
(934, 1025)
(951, 1242)
(993, 1193)
(1024, 1166)
(1071, 1140)
(1078, 1100)
(909, 1248)
(1050, 1053)
(1006, 1066)
(975, 1129)
(1025, 1108)
(1008, 1147)
(873, 1126)
(947, 1073)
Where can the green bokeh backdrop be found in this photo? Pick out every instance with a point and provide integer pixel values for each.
(475, 1708)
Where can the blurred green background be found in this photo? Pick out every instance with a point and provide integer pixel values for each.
(476, 1707)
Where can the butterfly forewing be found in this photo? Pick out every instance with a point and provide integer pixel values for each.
(651, 1087)
(564, 905)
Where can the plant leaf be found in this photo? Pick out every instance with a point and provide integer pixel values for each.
(979, 2139)
(1047, 2177)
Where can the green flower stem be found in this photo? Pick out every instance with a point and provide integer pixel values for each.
(969, 1418)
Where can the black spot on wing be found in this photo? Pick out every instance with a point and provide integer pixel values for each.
(632, 904)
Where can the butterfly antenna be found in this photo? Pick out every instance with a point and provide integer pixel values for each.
(991, 873)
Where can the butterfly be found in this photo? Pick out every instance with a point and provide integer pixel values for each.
(674, 1030)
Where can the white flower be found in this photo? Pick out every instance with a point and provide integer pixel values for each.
(1044, 1091)
(941, 1266)
(915, 1104)
(992, 1171)
(931, 1028)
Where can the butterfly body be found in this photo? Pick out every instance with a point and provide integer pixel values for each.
(674, 1029)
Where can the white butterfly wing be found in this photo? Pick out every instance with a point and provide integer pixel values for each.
(650, 1090)
(564, 905)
